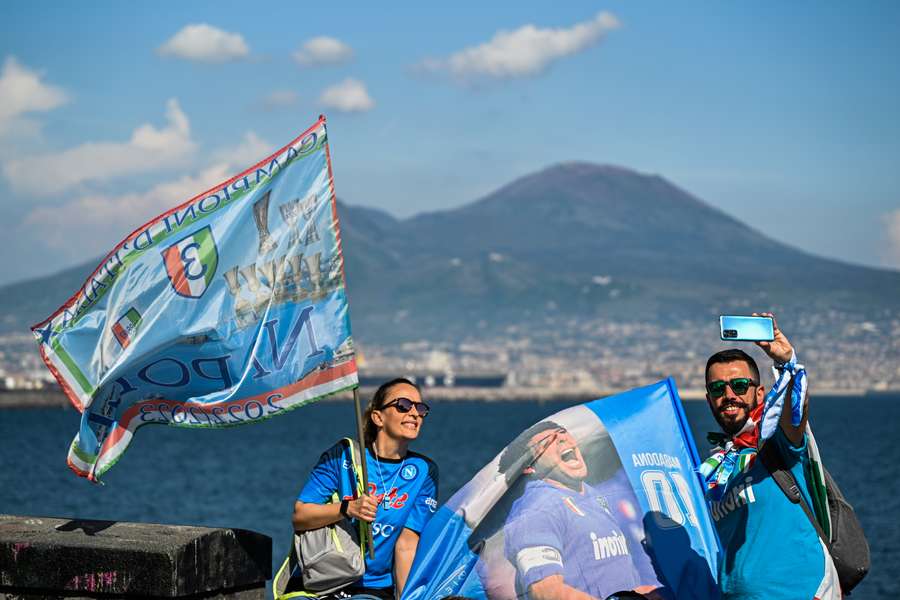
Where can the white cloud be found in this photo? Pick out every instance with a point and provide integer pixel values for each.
(524, 52)
(280, 99)
(94, 223)
(892, 225)
(247, 153)
(205, 43)
(148, 149)
(22, 92)
(349, 95)
(323, 50)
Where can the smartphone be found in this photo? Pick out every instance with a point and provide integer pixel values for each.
(737, 328)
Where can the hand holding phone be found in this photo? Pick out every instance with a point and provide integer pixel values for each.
(760, 328)
(780, 349)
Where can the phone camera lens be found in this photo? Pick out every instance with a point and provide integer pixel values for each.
(730, 333)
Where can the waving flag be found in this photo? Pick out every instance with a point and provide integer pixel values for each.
(601, 497)
(228, 309)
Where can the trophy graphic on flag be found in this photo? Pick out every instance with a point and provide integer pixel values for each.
(291, 211)
(261, 217)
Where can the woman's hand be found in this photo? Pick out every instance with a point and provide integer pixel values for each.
(363, 508)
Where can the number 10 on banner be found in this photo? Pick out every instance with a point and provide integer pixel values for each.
(670, 498)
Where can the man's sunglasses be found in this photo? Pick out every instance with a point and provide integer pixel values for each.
(739, 385)
(405, 405)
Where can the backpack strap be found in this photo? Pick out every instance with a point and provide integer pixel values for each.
(775, 464)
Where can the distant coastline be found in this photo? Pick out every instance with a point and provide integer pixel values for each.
(50, 398)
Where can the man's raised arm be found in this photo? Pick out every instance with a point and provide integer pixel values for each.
(781, 351)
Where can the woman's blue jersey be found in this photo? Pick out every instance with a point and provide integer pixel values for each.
(406, 492)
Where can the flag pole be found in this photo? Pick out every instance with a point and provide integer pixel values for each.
(367, 527)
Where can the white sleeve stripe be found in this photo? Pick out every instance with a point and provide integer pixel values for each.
(537, 556)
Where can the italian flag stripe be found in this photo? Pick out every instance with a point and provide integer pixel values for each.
(59, 352)
(79, 461)
(176, 271)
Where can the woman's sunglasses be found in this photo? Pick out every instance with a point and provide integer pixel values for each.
(739, 385)
(405, 405)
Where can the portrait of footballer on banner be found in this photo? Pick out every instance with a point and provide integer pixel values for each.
(569, 521)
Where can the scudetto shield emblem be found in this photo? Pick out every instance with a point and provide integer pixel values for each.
(191, 263)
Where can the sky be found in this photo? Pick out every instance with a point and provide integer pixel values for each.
(784, 115)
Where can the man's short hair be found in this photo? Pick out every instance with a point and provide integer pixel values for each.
(732, 355)
(519, 446)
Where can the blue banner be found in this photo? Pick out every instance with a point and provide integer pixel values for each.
(600, 498)
(228, 309)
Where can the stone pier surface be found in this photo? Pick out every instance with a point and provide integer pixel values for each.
(44, 557)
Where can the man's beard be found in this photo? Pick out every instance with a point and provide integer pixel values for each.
(728, 425)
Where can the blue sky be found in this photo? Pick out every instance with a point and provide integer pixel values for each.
(784, 115)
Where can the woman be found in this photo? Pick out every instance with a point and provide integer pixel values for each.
(402, 489)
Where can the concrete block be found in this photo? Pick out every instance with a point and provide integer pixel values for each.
(51, 557)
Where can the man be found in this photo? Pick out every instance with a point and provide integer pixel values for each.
(561, 534)
(771, 550)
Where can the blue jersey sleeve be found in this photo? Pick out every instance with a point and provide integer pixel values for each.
(324, 480)
(425, 503)
(533, 540)
(797, 460)
(792, 454)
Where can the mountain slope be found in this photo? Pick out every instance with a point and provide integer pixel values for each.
(574, 241)
(24, 303)
(622, 221)
(588, 240)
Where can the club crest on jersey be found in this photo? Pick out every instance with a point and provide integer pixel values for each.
(191, 263)
(409, 472)
(604, 504)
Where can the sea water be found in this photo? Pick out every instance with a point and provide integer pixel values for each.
(248, 477)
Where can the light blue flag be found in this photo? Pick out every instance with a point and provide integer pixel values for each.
(601, 497)
(228, 309)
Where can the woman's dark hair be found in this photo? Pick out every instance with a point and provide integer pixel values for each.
(370, 430)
